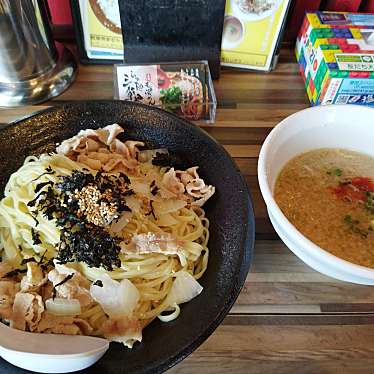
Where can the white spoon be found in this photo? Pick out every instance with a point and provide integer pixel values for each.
(50, 353)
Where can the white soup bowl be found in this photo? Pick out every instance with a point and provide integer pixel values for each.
(334, 126)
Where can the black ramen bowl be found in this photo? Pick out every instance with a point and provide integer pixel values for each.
(229, 210)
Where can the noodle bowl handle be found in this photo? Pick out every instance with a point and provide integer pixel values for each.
(50, 353)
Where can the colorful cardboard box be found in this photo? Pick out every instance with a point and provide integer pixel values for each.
(335, 52)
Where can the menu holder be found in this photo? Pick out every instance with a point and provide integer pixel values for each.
(173, 30)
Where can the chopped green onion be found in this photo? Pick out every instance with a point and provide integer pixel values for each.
(348, 218)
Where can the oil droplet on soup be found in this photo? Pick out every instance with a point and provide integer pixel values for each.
(328, 195)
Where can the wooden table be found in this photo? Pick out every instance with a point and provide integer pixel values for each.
(288, 318)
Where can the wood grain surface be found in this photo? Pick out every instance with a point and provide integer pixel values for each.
(288, 318)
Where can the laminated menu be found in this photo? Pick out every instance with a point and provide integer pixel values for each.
(252, 32)
(335, 52)
(183, 88)
(101, 26)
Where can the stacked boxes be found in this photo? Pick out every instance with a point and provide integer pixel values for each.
(335, 52)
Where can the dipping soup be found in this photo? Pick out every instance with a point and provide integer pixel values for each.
(328, 195)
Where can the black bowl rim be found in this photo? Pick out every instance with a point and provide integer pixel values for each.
(248, 240)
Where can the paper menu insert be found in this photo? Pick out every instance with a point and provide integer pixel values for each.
(138, 83)
(101, 40)
(251, 32)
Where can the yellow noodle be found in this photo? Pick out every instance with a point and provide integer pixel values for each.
(152, 274)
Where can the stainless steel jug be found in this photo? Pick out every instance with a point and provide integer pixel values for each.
(33, 68)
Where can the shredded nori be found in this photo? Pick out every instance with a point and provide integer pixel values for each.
(42, 258)
(33, 202)
(125, 208)
(48, 171)
(92, 245)
(14, 272)
(42, 185)
(40, 262)
(129, 192)
(76, 181)
(60, 283)
(81, 240)
(152, 210)
(27, 260)
(35, 219)
(154, 191)
(69, 276)
(35, 237)
(167, 160)
(154, 188)
(47, 264)
(98, 283)
(125, 177)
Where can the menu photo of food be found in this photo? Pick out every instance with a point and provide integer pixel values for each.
(107, 13)
(251, 32)
(256, 9)
(102, 32)
(184, 89)
(181, 92)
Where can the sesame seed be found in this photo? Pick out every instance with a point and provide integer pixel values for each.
(96, 211)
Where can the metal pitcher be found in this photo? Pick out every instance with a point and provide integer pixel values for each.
(33, 68)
